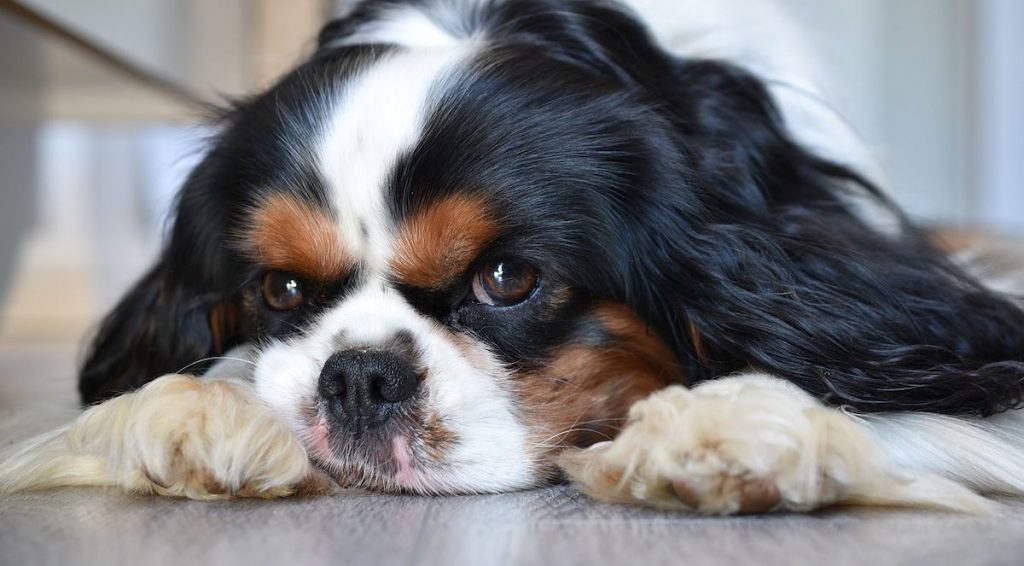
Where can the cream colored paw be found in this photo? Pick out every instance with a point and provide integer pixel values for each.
(178, 436)
(749, 444)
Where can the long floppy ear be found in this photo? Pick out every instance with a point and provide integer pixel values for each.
(159, 327)
(752, 251)
(773, 264)
(177, 315)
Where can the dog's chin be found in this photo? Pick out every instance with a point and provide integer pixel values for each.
(394, 469)
(402, 456)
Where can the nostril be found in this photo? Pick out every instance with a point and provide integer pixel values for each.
(361, 387)
(396, 382)
(398, 389)
(331, 385)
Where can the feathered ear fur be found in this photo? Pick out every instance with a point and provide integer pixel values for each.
(159, 327)
(771, 264)
(177, 315)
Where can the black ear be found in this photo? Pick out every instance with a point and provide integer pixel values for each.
(770, 265)
(161, 326)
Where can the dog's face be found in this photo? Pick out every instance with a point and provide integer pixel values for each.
(462, 241)
(438, 285)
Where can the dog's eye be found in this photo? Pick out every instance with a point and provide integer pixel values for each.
(282, 291)
(503, 283)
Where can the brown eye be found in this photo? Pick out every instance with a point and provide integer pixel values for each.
(282, 291)
(503, 283)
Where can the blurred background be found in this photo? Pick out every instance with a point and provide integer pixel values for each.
(102, 107)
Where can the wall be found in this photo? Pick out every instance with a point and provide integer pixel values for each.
(1000, 114)
(21, 95)
(898, 71)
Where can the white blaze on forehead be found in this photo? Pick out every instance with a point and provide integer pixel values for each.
(380, 115)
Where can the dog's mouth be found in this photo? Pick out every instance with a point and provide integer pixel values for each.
(408, 454)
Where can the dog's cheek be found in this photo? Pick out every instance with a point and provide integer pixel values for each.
(583, 394)
(285, 379)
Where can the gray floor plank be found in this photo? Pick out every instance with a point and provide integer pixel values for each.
(550, 526)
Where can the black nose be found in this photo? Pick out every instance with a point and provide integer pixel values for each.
(363, 387)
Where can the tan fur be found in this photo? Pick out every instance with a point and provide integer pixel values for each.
(751, 443)
(290, 235)
(438, 243)
(177, 436)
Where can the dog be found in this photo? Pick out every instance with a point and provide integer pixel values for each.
(475, 246)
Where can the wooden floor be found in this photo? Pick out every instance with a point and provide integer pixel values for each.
(552, 526)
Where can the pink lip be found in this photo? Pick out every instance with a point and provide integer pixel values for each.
(318, 445)
(401, 453)
(407, 475)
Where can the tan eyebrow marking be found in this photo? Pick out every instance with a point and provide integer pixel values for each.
(438, 243)
(289, 234)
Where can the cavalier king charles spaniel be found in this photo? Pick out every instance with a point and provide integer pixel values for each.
(485, 245)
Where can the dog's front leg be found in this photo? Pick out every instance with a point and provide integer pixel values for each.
(746, 444)
(179, 436)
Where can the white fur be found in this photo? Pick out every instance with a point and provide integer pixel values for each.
(984, 454)
(379, 115)
(999, 264)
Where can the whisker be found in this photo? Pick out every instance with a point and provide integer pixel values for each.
(547, 442)
(215, 358)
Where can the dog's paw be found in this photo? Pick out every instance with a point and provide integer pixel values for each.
(183, 436)
(747, 444)
(733, 446)
(178, 436)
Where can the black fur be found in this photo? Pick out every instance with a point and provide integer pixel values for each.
(626, 174)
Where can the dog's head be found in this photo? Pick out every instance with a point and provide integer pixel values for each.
(460, 239)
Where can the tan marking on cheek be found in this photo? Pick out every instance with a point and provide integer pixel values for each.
(288, 234)
(632, 330)
(224, 325)
(439, 242)
(698, 344)
(437, 439)
(584, 394)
